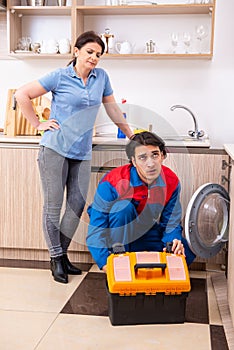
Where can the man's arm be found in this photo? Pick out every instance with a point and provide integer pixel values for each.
(170, 222)
(98, 231)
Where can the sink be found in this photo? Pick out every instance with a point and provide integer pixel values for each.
(182, 138)
(186, 141)
(170, 140)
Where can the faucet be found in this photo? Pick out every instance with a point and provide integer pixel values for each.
(193, 133)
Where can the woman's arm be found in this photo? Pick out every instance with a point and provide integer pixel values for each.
(23, 96)
(116, 115)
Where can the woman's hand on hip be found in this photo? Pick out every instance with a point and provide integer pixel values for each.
(50, 124)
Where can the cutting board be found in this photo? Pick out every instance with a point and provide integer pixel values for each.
(15, 123)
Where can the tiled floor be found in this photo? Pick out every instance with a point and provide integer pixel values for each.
(38, 313)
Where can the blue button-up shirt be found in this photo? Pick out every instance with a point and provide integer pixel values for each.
(75, 106)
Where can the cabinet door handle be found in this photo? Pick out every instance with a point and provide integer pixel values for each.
(224, 179)
(225, 164)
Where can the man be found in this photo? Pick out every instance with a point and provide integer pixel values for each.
(138, 204)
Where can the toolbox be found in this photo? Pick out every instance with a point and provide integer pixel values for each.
(147, 288)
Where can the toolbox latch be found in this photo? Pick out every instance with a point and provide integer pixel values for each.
(118, 248)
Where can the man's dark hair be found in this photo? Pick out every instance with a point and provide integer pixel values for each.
(144, 138)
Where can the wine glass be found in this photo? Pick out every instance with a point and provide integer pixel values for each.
(186, 41)
(201, 32)
(28, 43)
(23, 43)
(174, 41)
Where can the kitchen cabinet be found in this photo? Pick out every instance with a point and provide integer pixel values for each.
(193, 169)
(135, 23)
(21, 199)
(21, 235)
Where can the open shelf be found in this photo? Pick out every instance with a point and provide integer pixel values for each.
(78, 14)
(146, 9)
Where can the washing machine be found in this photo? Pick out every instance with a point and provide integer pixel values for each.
(207, 220)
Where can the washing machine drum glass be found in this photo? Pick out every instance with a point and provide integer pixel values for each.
(206, 220)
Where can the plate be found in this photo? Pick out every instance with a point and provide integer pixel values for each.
(22, 51)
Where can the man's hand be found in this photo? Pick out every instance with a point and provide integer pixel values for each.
(177, 247)
(104, 268)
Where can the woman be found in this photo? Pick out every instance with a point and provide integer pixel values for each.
(65, 150)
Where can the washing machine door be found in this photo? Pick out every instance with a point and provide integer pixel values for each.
(207, 219)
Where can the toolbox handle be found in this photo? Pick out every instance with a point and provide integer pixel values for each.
(150, 266)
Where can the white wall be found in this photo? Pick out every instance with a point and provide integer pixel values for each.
(206, 87)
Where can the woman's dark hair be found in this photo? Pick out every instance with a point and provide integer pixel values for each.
(85, 38)
(144, 138)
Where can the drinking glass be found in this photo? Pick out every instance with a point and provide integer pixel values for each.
(174, 41)
(22, 44)
(186, 41)
(201, 32)
(28, 43)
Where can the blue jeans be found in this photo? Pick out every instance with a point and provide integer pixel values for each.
(57, 174)
(137, 233)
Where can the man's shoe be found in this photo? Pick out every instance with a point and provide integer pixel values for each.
(69, 268)
(57, 269)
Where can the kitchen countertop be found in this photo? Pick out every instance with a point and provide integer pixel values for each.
(170, 142)
(107, 140)
(20, 139)
(229, 148)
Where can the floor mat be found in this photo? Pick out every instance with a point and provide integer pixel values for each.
(197, 302)
(90, 298)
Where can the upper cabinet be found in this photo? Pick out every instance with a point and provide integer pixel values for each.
(135, 29)
(43, 24)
